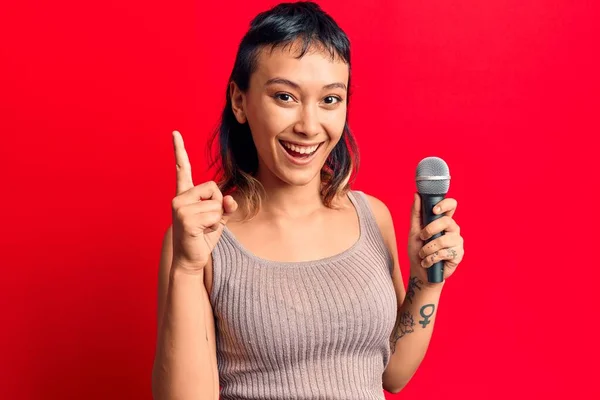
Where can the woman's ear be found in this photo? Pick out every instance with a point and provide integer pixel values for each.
(237, 102)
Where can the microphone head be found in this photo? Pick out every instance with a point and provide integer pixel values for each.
(433, 176)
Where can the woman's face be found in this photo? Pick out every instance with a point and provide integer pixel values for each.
(296, 110)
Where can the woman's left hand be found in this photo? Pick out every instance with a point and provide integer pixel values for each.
(448, 247)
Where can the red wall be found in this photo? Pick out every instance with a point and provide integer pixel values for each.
(504, 91)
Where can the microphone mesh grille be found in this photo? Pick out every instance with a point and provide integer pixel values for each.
(433, 166)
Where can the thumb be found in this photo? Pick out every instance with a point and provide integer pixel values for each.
(229, 207)
(415, 214)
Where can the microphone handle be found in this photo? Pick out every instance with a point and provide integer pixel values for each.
(435, 273)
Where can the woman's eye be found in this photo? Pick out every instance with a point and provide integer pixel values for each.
(332, 99)
(284, 97)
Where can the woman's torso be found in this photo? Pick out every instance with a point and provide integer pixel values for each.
(315, 327)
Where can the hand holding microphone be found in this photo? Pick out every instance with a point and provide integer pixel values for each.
(435, 247)
(199, 215)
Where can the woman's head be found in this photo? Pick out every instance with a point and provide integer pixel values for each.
(285, 116)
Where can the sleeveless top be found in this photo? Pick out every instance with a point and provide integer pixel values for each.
(304, 330)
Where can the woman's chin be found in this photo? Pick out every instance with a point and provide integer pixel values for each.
(299, 178)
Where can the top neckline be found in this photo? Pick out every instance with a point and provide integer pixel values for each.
(343, 254)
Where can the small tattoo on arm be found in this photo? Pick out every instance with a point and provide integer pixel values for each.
(404, 325)
(426, 316)
(413, 283)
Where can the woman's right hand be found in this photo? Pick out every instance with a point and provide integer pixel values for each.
(199, 215)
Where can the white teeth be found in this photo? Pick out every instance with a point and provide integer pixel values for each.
(301, 149)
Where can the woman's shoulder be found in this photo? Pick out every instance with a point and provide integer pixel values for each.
(378, 207)
(380, 212)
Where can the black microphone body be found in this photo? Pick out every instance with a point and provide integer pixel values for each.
(435, 273)
(433, 182)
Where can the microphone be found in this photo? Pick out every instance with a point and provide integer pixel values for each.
(433, 182)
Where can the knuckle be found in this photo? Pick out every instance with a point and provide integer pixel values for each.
(185, 225)
(208, 205)
(214, 217)
(443, 241)
(180, 213)
(183, 166)
(208, 217)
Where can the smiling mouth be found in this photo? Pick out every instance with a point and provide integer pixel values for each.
(300, 152)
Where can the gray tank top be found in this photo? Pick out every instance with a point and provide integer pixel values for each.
(304, 330)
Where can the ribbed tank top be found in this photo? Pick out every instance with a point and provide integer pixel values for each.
(304, 330)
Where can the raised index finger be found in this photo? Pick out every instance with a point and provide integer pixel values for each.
(184, 169)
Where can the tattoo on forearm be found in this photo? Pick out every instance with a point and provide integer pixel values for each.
(405, 321)
(426, 314)
(404, 325)
(413, 283)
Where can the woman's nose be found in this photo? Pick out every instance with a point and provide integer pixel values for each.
(308, 123)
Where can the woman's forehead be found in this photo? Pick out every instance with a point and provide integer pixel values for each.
(316, 66)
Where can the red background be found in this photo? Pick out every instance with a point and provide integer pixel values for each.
(504, 91)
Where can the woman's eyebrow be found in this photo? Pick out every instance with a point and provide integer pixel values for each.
(283, 81)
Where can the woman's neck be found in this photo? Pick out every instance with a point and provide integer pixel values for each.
(285, 200)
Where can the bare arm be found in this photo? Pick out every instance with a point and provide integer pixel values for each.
(412, 333)
(415, 317)
(185, 364)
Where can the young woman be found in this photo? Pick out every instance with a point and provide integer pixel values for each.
(281, 282)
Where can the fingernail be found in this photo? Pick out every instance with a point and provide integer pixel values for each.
(438, 209)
